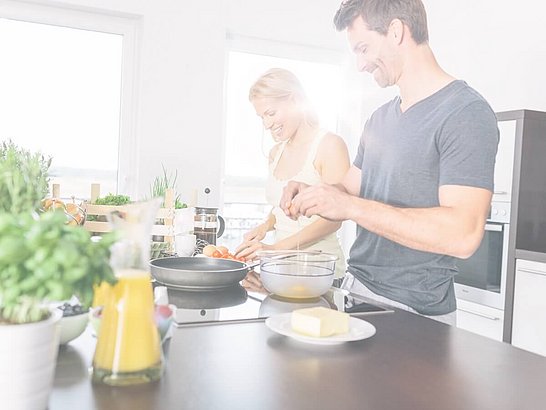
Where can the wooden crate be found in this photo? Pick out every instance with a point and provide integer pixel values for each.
(166, 214)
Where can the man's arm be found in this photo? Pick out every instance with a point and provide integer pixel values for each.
(352, 180)
(455, 227)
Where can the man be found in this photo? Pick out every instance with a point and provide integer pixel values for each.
(421, 184)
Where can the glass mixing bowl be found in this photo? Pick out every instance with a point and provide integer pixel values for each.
(297, 274)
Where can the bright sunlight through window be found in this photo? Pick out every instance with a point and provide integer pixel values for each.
(61, 90)
(247, 143)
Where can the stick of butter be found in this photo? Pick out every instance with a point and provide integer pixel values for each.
(319, 322)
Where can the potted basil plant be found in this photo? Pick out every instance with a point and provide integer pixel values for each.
(41, 259)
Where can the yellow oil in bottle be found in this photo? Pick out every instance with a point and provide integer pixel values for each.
(128, 347)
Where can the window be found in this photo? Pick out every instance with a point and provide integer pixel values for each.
(248, 143)
(63, 94)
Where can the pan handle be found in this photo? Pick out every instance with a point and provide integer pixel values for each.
(253, 264)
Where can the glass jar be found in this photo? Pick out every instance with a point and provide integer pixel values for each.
(208, 225)
(128, 345)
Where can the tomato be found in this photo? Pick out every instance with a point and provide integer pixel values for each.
(216, 254)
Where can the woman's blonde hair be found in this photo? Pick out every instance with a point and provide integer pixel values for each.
(281, 84)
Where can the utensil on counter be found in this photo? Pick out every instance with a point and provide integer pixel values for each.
(297, 274)
(188, 272)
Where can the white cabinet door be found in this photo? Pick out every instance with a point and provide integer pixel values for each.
(480, 319)
(529, 317)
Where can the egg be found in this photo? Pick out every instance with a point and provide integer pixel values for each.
(222, 249)
(209, 250)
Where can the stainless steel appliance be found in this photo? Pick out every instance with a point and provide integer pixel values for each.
(482, 277)
(235, 304)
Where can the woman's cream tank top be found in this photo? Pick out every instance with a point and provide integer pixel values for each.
(284, 226)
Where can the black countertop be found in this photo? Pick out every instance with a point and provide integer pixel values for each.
(410, 363)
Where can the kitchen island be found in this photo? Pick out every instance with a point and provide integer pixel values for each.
(410, 363)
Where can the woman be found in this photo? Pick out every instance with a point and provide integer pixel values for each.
(304, 152)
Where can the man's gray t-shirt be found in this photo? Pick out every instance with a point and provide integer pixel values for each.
(449, 138)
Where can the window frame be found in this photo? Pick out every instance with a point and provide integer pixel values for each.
(126, 25)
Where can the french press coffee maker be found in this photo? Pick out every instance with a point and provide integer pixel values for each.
(208, 225)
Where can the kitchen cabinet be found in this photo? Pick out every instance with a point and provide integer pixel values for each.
(480, 319)
(529, 312)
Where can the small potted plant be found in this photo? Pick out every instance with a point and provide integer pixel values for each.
(42, 259)
(158, 189)
(23, 179)
(161, 183)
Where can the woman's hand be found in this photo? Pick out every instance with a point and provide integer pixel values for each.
(256, 234)
(248, 249)
(253, 283)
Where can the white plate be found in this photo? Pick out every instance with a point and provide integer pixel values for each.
(358, 330)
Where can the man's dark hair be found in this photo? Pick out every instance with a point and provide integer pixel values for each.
(378, 14)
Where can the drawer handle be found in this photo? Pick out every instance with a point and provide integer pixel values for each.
(536, 272)
(480, 314)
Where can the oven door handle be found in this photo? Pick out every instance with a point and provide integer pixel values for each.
(491, 227)
(484, 315)
(532, 271)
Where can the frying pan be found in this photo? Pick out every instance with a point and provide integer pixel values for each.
(188, 272)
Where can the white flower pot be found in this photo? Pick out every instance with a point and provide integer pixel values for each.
(28, 355)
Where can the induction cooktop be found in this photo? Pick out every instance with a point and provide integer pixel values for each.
(234, 304)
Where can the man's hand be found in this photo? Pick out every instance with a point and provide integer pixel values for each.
(289, 192)
(328, 201)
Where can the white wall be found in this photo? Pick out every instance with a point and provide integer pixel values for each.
(495, 45)
(307, 22)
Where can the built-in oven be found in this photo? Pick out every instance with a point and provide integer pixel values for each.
(482, 277)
